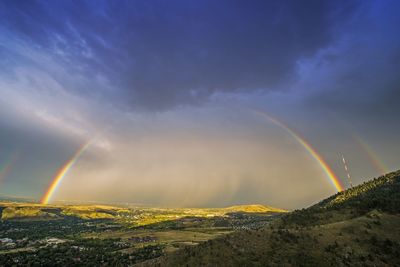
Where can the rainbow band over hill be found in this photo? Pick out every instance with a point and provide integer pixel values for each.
(328, 171)
(62, 172)
(378, 164)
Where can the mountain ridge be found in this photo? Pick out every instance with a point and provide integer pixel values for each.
(37, 211)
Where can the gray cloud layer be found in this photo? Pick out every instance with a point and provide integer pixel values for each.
(159, 55)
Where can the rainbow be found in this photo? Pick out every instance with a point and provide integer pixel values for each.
(378, 164)
(328, 171)
(62, 172)
(7, 166)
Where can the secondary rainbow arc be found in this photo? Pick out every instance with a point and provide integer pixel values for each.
(8, 165)
(374, 159)
(326, 168)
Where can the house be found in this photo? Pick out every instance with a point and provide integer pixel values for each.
(6, 240)
(54, 241)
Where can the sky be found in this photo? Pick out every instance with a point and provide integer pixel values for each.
(169, 96)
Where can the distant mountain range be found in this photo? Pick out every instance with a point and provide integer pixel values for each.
(357, 227)
(253, 208)
(28, 211)
(4, 197)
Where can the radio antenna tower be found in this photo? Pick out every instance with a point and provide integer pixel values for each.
(347, 171)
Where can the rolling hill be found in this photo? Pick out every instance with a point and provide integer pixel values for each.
(24, 211)
(357, 227)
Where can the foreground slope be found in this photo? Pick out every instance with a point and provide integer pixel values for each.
(357, 227)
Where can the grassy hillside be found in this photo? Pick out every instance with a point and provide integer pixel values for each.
(253, 208)
(31, 211)
(26, 213)
(381, 193)
(358, 227)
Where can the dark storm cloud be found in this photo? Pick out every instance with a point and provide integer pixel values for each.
(358, 77)
(159, 54)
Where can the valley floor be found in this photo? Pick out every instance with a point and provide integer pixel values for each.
(37, 235)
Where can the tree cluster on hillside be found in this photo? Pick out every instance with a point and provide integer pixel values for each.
(84, 252)
(381, 193)
(357, 227)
